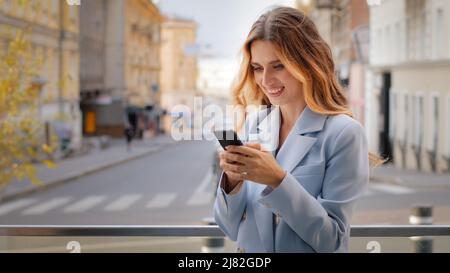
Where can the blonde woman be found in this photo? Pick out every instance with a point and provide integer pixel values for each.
(299, 195)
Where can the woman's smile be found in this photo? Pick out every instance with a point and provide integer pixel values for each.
(275, 92)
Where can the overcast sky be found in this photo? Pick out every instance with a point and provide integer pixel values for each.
(222, 24)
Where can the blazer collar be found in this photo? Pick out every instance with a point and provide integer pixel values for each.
(310, 122)
(307, 122)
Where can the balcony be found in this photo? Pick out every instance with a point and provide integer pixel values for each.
(201, 238)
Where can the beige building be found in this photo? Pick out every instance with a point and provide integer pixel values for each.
(179, 64)
(410, 58)
(54, 36)
(344, 26)
(120, 60)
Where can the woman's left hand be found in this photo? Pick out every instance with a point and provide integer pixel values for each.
(256, 165)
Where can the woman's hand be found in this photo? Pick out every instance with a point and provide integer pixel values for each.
(250, 162)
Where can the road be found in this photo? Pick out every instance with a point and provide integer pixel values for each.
(175, 186)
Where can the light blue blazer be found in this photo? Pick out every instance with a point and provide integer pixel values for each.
(326, 160)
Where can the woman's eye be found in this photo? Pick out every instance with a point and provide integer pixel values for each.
(257, 68)
(279, 67)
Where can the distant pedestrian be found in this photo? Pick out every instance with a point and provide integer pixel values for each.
(129, 134)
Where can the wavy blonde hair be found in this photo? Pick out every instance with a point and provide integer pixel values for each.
(305, 55)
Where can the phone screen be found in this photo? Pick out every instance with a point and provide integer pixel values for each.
(227, 137)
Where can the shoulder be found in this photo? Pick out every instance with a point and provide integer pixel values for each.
(343, 126)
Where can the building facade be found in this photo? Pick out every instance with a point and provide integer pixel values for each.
(53, 32)
(344, 25)
(410, 86)
(120, 61)
(179, 65)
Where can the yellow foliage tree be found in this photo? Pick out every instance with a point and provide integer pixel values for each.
(22, 134)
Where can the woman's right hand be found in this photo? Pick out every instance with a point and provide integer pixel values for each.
(229, 167)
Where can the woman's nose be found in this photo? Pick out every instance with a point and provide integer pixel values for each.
(267, 78)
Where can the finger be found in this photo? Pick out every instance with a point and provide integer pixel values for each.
(251, 152)
(231, 167)
(233, 157)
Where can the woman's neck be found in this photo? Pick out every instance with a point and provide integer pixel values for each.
(290, 114)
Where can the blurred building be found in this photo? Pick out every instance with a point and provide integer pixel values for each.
(410, 86)
(344, 26)
(120, 65)
(216, 76)
(54, 34)
(179, 65)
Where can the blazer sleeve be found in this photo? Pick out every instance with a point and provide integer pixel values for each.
(228, 209)
(324, 223)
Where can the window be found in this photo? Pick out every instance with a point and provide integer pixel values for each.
(418, 120)
(434, 122)
(386, 45)
(448, 127)
(406, 113)
(439, 35)
(6, 6)
(55, 8)
(447, 152)
(392, 110)
(397, 43)
(409, 40)
(422, 36)
(411, 120)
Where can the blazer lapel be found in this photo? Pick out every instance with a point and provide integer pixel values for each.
(268, 130)
(297, 143)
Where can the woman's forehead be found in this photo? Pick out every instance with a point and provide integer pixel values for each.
(264, 52)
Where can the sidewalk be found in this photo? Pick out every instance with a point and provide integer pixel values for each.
(72, 168)
(390, 174)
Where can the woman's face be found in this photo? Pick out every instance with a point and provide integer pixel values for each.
(272, 77)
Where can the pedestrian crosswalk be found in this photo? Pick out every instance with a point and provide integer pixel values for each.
(16, 205)
(84, 204)
(47, 206)
(163, 200)
(123, 202)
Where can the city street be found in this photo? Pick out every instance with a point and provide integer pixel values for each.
(148, 191)
(172, 186)
(175, 186)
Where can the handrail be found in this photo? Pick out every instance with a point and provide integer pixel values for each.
(202, 230)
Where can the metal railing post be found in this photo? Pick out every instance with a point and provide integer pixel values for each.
(422, 215)
(212, 244)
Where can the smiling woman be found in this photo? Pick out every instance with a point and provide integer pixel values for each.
(297, 195)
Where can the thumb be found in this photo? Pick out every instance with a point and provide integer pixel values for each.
(254, 145)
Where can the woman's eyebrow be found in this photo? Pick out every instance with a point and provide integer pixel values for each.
(271, 62)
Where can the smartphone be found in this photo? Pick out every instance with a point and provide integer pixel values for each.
(227, 137)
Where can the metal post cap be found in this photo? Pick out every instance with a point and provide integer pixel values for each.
(422, 210)
(209, 221)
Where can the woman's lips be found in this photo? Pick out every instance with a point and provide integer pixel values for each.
(275, 92)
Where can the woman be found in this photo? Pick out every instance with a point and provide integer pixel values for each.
(300, 196)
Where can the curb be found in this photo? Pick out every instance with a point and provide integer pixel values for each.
(69, 177)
